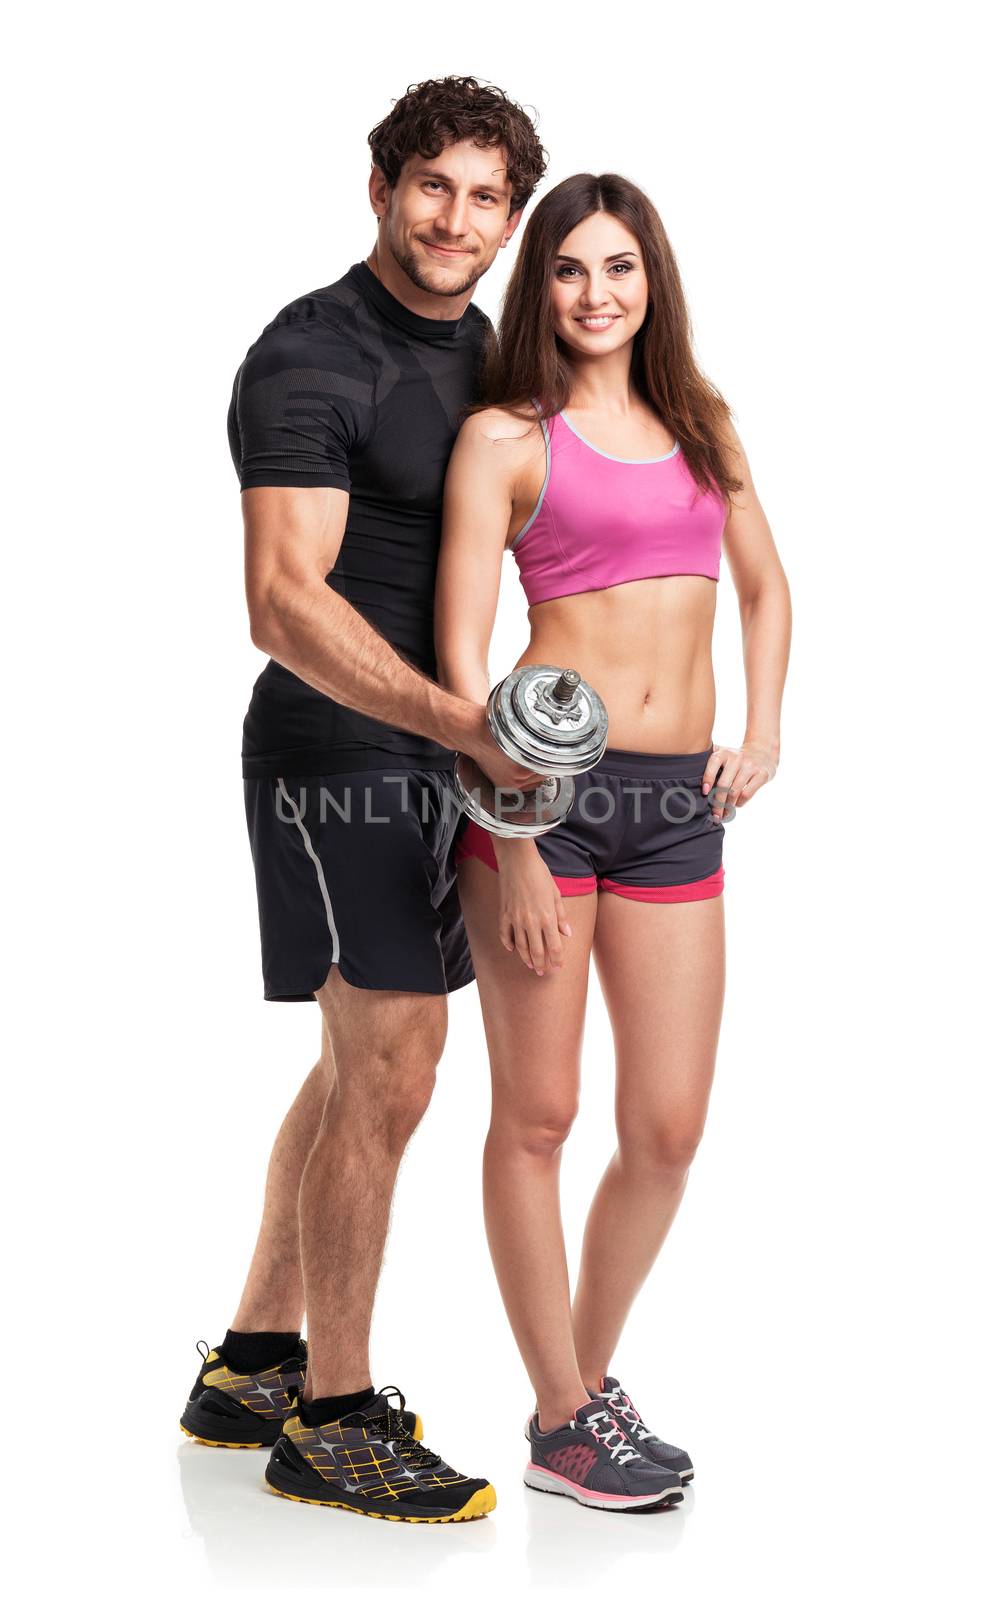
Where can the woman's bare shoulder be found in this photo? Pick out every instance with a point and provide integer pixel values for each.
(495, 425)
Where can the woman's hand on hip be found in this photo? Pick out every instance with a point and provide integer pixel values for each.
(532, 919)
(733, 776)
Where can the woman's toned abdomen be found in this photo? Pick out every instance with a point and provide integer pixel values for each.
(645, 647)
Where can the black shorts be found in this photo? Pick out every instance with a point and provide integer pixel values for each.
(356, 870)
(639, 827)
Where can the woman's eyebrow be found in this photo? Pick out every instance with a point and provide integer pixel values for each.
(617, 256)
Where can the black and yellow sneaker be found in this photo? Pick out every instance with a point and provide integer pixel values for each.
(369, 1462)
(242, 1410)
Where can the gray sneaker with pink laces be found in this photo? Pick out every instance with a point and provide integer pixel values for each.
(656, 1450)
(591, 1460)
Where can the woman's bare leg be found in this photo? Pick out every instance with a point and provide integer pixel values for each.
(534, 1031)
(662, 970)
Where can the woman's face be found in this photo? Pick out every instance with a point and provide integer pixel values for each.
(599, 291)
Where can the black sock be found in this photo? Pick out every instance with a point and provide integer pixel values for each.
(253, 1352)
(332, 1407)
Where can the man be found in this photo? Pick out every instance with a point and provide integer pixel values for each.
(342, 420)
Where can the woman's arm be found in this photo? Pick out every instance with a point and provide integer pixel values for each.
(477, 508)
(493, 454)
(765, 614)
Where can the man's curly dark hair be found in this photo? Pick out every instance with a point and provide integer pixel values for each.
(443, 111)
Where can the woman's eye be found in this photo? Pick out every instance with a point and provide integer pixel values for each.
(619, 269)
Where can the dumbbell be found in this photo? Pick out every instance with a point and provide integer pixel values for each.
(544, 718)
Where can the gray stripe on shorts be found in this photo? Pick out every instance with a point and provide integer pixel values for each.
(312, 853)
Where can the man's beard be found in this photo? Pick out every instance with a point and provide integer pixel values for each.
(411, 267)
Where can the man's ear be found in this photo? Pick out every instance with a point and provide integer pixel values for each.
(511, 225)
(379, 191)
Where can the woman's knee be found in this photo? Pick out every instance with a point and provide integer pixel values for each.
(533, 1129)
(667, 1146)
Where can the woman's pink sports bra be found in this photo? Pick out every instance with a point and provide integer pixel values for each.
(600, 520)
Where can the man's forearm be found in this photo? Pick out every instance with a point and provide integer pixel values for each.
(316, 634)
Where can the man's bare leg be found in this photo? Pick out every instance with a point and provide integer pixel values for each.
(273, 1294)
(387, 1045)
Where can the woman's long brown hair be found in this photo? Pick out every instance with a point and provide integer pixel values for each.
(528, 363)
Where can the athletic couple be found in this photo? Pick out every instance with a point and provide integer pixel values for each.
(390, 451)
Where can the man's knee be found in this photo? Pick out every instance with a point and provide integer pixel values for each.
(382, 1094)
(403, 1092)
(387, 1048)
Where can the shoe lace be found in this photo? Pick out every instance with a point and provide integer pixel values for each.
(615, 1439)
(620, 1405)
(408, 1449)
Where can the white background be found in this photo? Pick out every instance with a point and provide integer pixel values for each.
(821, 1330)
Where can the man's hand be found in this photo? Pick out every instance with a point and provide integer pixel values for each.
(481, 747)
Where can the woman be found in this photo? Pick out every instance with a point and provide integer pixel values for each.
(607, 463)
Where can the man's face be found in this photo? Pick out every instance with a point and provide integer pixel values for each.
(447, 217)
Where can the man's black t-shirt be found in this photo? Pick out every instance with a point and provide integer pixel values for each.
(348, 389)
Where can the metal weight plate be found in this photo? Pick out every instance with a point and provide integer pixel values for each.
(511, 813)
(536, 705)
(548, 719)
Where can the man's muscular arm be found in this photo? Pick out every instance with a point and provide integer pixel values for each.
(291, 542)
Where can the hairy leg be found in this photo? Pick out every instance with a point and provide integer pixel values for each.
(534, 1031)
(273, 1294)
(662, 970)
(387, 1045)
